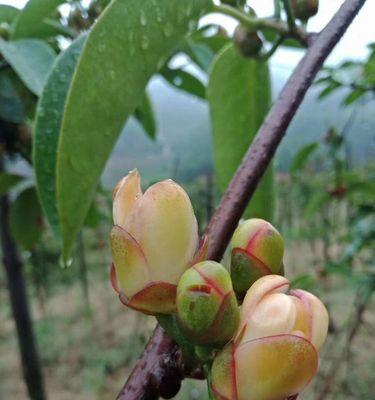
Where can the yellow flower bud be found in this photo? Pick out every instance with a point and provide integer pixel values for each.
(206, 304)
(153, 242)
(257, 250)
(274, 352)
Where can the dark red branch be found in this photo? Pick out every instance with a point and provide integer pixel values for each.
(147, 377)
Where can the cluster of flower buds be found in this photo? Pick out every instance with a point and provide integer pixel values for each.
(265, 349)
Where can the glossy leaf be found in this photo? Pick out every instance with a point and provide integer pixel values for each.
(29, 19)
(8, 181)
(185, 81)
(127, 45)
(302, 157)
(25, 219)
(239, 95)
(31, 59)
(8, 13)
(11, 107)
(145, 116)
(47, 129)
(51, 28)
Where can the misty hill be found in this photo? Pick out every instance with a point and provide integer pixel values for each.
(183, 146)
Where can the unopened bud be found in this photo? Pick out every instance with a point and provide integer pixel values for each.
(248, 42)
(304, 9)
(257, 250)
(206, 304)
(153, 242)
(274, 352)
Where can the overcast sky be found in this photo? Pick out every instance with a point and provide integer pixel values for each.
(353, 45)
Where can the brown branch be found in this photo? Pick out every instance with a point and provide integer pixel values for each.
(147, 378)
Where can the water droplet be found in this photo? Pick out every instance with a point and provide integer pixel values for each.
(159, 16)
(65, 263)
(143, 19)
(189, 10)
(192, 24)
(168, 29)
(145, 42)
(177, 80)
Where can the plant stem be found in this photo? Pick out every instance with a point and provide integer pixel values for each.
(289, 14)
(262, 23)
(147, 376)
(31, 366)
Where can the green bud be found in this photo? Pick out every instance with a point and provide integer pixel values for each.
(248, 42)
(257, 250)
(304, 9)
(206, 304)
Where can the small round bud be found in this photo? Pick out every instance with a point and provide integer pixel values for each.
(248, 42)
(206, 304)
(257, 250)
(304, 9)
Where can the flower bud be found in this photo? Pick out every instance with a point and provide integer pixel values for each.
(304, 9)
(257, 250)
(248, 42)
(274, 352)
(153, 242)
(206, 304)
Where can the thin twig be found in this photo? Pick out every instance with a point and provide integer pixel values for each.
(148, 375)
(289, 14)
(263, 23)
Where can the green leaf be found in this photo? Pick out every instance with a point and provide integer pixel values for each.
(8, 181)
(8, 13)
(11, 107)
(25, 219)
(183, 80)
(145, 116)
(47, 129)
(239, 94)
(29, 19)
(353, 96)
(301, 157)
(51, 28)
(127, 45)
(31, 59)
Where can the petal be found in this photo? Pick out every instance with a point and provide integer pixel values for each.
(155, 298)
(312, 317)
(245, 269)
(164, 224)
(132, 273)
(274, 315)
(223, 374)
(126, 193)
(274, 368)
(262, 287)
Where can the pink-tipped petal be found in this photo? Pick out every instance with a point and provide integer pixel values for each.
(316, 316)
(164, 224)
(125, 195)
(274, 315)
(155, 298)
(274, 368)
(131, 266)
(262, 287)
(223, 374)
